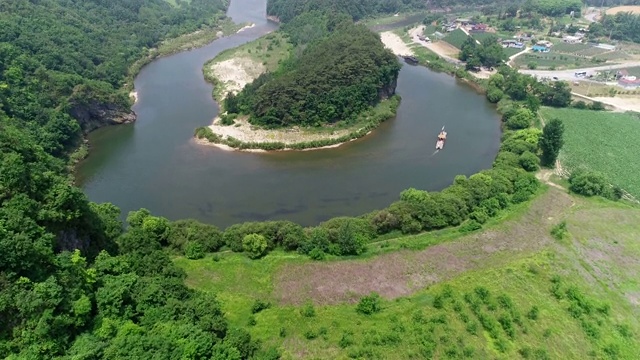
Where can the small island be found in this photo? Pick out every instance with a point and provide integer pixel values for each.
(318, 82)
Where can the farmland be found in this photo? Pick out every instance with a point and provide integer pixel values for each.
(456, 38)
(601, 141)
(553, 61)
(494, 294)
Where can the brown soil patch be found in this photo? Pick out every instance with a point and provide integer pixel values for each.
(617, 9)
(443, 47)
(402, 273)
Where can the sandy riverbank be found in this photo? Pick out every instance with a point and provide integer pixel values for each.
(246, 27)
(230, 76)
(134, 96)
(395, 43)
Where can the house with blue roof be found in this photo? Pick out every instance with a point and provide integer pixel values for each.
(540, 48)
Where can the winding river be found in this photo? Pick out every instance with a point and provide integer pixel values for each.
(155, 163)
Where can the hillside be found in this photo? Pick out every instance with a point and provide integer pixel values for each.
(63, 64)
(512, 291)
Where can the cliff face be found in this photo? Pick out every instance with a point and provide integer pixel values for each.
(94, 114)
(388, 89)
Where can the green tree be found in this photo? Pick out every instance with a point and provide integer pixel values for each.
(255, 245)
(551, 141)
(521, 119)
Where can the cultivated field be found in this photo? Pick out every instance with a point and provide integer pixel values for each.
(602, 141)
(553, 61)
(456, 38)
(617, 9)
(511, 291)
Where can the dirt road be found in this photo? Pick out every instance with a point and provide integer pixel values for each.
(569, 75)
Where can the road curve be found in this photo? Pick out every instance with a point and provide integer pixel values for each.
(570, 74)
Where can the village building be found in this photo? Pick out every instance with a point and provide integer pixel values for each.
(572, 39)
(479, 28)
(629, 82)
(540, 48)
(512, 44)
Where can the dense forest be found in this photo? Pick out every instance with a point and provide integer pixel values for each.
(286, 10)
(621, 26)
(342, 70)
(73, 284)
(63, 62)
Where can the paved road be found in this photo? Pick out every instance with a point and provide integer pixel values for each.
(569, 75)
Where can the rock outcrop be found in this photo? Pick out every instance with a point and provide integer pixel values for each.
(94, 114)
(389, 89)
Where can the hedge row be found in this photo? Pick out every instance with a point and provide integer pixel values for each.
(469, 202)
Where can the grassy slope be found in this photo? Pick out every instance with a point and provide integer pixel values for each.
(602, 141)
(598, 258)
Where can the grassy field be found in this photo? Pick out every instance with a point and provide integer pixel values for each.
(508, 292)
(569, 48)
(602, 141)
(456, 38)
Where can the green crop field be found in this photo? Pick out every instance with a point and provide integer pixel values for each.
(569, 48)
(512, 51)
(510, 292)
(603, 141)
(456, 38)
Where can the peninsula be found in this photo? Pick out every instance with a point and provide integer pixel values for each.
(295, 89)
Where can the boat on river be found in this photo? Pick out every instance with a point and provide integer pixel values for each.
(411, 60)
(442, 137)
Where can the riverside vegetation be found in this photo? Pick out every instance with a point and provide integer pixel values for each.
(74, 284)
(336, 76)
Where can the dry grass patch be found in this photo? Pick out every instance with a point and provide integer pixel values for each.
(618, 9)
(403, 273)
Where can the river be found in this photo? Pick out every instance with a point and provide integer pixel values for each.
(155, 164)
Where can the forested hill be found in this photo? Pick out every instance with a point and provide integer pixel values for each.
(66, 60)
(286, 10)
(342, 70)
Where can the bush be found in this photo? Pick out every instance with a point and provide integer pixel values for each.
(193, 251)
(559, 231)
(533, 313)
(369, 304)
(469, 226)
(494, 95)
(529, 161)
(255, 245)
(590, 183)
(259, 305)
(308, 310)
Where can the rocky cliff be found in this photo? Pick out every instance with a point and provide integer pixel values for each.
(95, 114)
(388, 89)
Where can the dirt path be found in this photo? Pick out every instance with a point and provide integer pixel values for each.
(440, 48)
(403, 273)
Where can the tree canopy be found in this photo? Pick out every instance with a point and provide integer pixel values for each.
(59, 58)
(286, 10)
(343, 70)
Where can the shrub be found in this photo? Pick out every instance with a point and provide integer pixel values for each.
(590, 183)
(369, 304)
(529, 161)
(494, 95)
(259, 305)
(308, 310)
(193, 251)
(533, 313)
(559, 231)
(469, 226)
(255, 245)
